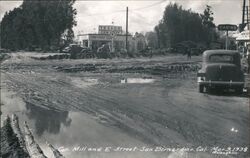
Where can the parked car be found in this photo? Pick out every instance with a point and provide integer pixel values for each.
(87, 53)
(73, 48)
(221, 69)
(104, 51)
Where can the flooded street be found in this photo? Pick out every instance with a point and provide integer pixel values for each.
(83, 107)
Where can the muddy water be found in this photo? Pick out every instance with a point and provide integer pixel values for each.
(70, 132)
(75, 134)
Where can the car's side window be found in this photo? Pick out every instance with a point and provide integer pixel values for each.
(221, 58)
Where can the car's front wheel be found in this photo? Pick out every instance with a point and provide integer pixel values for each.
(201, 88)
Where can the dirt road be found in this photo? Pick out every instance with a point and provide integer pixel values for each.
(126, 103)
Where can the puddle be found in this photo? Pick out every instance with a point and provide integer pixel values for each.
(83, 82)
(69, 131)
(10, 103)
(138, 80)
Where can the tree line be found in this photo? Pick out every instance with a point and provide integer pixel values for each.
(179, 25)
(45, 24)
(38, 24)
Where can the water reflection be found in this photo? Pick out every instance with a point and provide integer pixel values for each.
(48, 120)
(138, 80)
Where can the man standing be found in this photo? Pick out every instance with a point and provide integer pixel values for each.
(188, 53)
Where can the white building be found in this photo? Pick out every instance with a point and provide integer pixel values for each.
(243, 39)
(94, 41)
(112, 35)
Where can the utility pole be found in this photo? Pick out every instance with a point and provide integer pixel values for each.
(227, 40)
(243, 12)
(245, 16)
(127, 30)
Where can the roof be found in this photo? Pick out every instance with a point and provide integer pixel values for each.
(220, 51)
(234, 53)
(243, 36)
(208, 53)
(98, 34)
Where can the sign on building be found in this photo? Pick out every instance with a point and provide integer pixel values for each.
(109, 29)
(227, 27)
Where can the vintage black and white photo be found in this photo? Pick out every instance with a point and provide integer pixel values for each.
(125, 79)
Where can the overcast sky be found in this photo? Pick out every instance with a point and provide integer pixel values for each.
(143, 15)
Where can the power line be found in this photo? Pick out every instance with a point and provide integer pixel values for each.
(104, 13)
(149, 6)
(145, 7)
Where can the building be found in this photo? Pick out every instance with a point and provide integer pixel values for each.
(94, 41)
(113, 36)
(109, 29)
(243, 41)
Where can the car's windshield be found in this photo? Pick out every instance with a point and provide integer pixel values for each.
(221, 58)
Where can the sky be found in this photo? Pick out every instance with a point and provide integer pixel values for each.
(143, 15)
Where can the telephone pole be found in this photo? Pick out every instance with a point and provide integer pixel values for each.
(127, 30)
(245, 16)
(243, 12)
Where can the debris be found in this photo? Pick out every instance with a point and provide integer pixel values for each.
(56, 153)
(17, 131)
(15, 144)
(10, 147)
(32, 147)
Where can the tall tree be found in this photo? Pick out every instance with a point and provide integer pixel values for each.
(179, 25)
(209, 26)
(37, 24)
(152, 40)
(207, 19)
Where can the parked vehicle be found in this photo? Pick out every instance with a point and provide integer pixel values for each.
(104, 51)
(221, 69)
(73, 48)
(78, 52)
(87, 53)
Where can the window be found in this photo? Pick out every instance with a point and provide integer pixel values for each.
(221, 58)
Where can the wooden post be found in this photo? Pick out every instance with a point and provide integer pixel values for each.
(127, 29)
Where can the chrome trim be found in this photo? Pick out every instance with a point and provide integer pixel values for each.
(221, 82)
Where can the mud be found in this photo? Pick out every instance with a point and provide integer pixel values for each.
(91, 103)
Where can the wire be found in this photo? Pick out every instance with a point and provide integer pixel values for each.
(104, 13)
(148, 6)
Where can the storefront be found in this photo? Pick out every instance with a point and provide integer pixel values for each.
(243, 42)
(94, 41)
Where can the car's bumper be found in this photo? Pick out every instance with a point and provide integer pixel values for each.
(220, 83)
